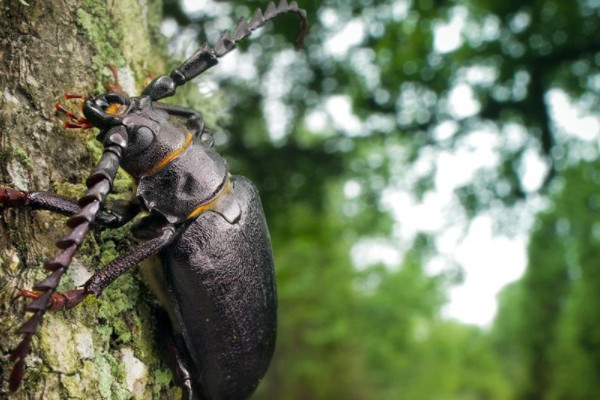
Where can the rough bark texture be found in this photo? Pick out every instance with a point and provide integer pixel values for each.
(105, 348)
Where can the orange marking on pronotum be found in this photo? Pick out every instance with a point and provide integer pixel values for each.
(170, 157)
(211, 203)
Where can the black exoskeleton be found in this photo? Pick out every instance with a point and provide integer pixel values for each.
(207, 227)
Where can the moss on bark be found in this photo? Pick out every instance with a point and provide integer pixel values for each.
(105, 348)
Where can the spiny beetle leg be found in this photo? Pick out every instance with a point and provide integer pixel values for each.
(99, 184)
(57, 301)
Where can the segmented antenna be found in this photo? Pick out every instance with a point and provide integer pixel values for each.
(207, 57)
(99, 184)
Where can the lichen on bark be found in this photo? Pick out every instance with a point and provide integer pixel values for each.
(105, 348)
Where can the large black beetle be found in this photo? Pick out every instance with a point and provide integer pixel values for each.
(207, 227)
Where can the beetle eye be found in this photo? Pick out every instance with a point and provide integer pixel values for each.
(102, 104)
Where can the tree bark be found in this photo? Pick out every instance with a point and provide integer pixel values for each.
(105, 348)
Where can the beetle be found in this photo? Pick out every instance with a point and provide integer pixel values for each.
(206, 226)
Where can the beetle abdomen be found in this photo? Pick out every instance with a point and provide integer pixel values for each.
(222, 284)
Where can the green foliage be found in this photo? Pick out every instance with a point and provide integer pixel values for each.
(548, 320)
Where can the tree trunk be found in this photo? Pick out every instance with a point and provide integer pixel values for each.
(106, 347)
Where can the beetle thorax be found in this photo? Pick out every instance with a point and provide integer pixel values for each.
(176, 173)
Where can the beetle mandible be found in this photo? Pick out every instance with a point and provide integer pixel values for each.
(206, 225)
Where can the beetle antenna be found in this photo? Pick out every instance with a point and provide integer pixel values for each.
(99, 184)
(207, 57)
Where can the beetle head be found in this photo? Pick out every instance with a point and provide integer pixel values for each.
(106, 110)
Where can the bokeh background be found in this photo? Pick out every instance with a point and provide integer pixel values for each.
(429, 174)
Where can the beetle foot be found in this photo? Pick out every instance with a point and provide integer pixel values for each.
(10, 197)
(57, 301)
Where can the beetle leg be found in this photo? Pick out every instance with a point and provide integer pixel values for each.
(57, 301)
(118, 215)
(13, 198)
(194, 121)
(115, 86)
(174, 109)
(109, 218)
(180, 370)
(99, 184)
(10, 197)
(99, 281)
(175, 357)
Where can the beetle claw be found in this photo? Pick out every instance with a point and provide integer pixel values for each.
(56, 301)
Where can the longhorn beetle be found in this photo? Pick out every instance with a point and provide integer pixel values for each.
(206, 225)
